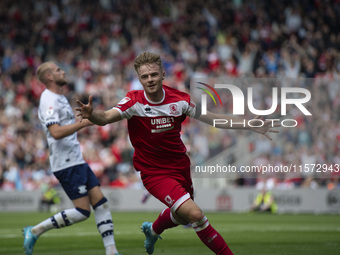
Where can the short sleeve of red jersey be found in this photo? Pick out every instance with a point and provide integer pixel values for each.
(126, 106)
(190, 109)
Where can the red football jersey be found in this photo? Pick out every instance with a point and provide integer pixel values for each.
(154, 130)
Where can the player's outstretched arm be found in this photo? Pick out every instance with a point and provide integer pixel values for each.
(59, 132)
(231, 122)
(98, 117)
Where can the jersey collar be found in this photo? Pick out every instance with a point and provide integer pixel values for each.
(152, 102)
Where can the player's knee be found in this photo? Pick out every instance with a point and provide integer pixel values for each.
(178, 220)
(101, 204)
(195, 215)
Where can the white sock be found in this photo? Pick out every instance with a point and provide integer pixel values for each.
(103, 219)
(61, 219)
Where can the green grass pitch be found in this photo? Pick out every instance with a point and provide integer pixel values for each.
(254, 234)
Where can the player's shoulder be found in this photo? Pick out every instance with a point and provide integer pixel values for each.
(175, 94)
(132, 96)
(47, 97)
(130, 99)
(135, 93)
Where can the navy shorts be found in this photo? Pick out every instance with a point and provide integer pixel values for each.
(77, 180)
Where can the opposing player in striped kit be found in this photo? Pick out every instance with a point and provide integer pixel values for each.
(155, 115)
(67, 164)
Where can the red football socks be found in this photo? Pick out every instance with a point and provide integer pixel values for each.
(163, 222)
(211, 238)
(208, 235)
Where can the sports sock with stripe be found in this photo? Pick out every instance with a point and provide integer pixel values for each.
(104, 223)
(164, 221)
(61, 219)
(210, 237)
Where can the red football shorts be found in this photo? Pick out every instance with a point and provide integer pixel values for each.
(172, 191)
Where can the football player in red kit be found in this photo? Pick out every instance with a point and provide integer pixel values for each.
(155, 116)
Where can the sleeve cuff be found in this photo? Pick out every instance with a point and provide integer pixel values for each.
(51, 123)
(120, 112)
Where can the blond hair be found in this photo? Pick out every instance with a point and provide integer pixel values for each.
(42, 70)
(147, 58)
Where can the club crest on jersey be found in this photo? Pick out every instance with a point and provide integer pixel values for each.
(174, 109)
(49, 111)
(124, 100)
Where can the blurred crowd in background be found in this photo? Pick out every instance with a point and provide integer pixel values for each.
(96, 42)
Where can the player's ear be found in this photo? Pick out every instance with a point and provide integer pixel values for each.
(49, 76)
(163, 75)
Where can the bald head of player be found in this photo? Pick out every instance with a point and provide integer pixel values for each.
(50, 74)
